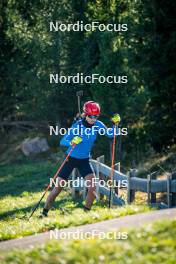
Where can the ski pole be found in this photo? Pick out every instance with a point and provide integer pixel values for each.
(112, 168)
(120, 147)
(55, 176)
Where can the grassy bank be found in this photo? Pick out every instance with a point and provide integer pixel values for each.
(154, 244)
(21, 185)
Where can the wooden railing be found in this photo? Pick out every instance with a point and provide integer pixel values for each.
(134, 184)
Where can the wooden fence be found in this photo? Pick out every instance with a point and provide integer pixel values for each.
(134, 184)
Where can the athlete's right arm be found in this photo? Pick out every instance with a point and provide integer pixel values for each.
(67, 138)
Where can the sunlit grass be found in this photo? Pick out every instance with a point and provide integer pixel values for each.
(155, 243)
(15, 211)
(22, 186)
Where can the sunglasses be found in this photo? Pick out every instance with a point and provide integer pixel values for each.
(93, 116)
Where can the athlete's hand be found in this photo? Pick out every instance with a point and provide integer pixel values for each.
(76, 140)
(116, 119)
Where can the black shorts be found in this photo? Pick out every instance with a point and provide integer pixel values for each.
(83, 165)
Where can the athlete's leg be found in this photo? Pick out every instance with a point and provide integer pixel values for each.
(53, 194)
(86, 170)
(63, 176)
(91, 190)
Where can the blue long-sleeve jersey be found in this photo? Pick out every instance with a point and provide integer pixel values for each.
(88, 135)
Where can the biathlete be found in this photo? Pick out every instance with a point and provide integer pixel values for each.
(89, 127)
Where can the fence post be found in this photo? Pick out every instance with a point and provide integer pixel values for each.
(101, 176)
(84, 190)
(97, 176)
(173, 198)
(117, 167)
(77, 191)
(169, 191)
(153, 195)
(73, 175)
(148, 189)
(130, 193)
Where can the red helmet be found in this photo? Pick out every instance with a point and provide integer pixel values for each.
(91, 108)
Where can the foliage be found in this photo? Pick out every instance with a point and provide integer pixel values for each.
(145, 53)
(154, 244)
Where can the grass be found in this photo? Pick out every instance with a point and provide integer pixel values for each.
(21, 185)
(155, 243)
(166, 160)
